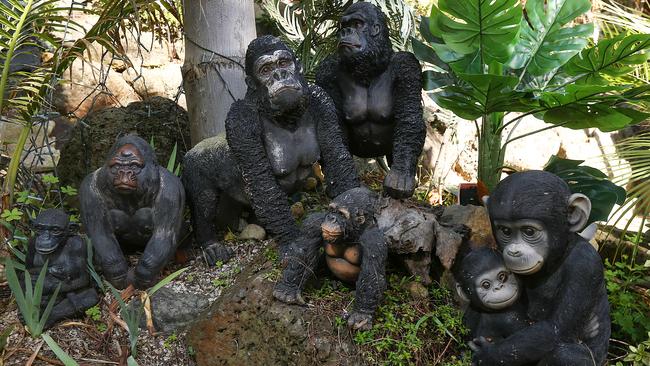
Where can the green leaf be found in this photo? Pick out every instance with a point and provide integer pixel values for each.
(602, 116)
(615, 57)
(427, 54)
(131, 361)
(591, 182)
(60, 354)
(544, 43)
(4, 336)
(172, 159)
(489, 27)
(165, 281)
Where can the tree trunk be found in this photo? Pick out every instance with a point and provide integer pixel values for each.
(217, 33)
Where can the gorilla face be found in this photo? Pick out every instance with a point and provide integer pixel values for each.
(124, 168)
(278, 72)
(51, 229)
(497, 288)
(525, 244)
(355, 32)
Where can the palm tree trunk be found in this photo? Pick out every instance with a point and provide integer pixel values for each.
(217, 33)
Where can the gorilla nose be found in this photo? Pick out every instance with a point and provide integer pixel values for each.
(514, 253)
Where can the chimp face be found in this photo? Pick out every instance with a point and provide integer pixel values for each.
(497, 288)
(124, 168)
(356, 31)
(51, 229)
(335, 224)
(525, 244)
(278, 72)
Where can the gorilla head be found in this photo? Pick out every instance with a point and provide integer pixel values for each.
(274, 75)
(52, 229)
(483, 280)
(130, 167)
(533, 215)
(364, 38)
(349, 214)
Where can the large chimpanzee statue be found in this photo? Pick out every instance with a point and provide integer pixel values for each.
(495, 310)
(274, 136)
(377, 93)
(536, 219)
(65, 253)
(134, 203)
(355, 252)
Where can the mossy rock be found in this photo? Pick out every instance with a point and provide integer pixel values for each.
(157, 119)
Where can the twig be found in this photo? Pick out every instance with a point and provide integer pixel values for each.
(33, 357)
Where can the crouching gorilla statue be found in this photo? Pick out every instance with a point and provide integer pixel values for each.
(377, 95)
(536, 220)
(274, 136)
(132, 203)
(355, 252)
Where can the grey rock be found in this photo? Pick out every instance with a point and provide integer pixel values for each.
(253, 232)
(173, 310)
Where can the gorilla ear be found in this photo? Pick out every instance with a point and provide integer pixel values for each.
(579, 211)
(375, 29)
(461, 293)
(485, 200)
(250, 82)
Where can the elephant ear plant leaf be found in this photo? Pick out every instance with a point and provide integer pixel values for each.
(486, 61)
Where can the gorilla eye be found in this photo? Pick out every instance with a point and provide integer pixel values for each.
(485, 284)
(357, 23)
(505, 230)
(265, 69)
(284, 63)
(503, 276)
(528, 231)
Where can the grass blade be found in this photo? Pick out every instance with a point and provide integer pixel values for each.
(61, 354)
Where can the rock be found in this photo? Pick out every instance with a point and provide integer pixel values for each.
(157, 119)
(297, 210)
(417, 290)
(253, 232)
(474, 217)
(448, 243)
(247, 326)
(162, 81)
(172, 309)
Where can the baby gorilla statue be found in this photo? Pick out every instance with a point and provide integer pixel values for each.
(355, 252)
(65, 254)
(493, 293)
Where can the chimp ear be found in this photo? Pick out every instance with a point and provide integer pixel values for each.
(579, 211)
(73, 228)
(375, 29)
(461, 293)
(251, 83)
(485, 200)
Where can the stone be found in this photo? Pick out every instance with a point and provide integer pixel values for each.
(158, 119)
(297, 210)
(247, 326)
(253, 232)
(448, 243)
(173, 309)
(474, 217)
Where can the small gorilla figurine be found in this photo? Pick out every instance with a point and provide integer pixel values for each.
(274, 136)
(377, 93)
(355, 252)
(536, 219)
(65, 253)
(134, 203)
(493, 293)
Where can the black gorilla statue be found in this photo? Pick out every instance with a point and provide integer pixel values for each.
(355, 252)
(274, 136)
(132, 203)
(65, 253)
(536, 219)
(377, 93)
(495, 310)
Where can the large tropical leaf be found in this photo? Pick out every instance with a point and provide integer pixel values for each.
(544, 42)
(591, 182)
(485, 26)
(616, 56)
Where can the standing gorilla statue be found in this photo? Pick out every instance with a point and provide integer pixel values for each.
(536, 219)
(377, 93)
(274, 136)
(132, 202)
(57, 244)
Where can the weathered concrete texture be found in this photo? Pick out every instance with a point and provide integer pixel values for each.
(474, 217)
(157, 119)
(248, 327)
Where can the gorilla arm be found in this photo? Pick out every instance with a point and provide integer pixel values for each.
(270, 203)
(96, 220)
(572, 306)
(410, 129)
(167, 220)
(337, 162)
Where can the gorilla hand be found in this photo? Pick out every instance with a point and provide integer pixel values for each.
(399, 184)
(288, 294)
(360, 321)
(216, 252)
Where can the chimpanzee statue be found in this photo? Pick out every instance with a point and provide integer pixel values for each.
(64, 251)
(536, 218)
(377, 93)
(355, 252)
(495, 310)
(132, 203)
(274, 136)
